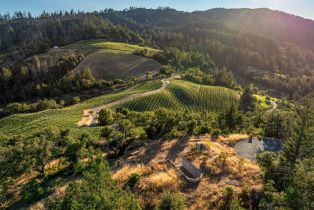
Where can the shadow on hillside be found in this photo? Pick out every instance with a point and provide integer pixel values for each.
(152, 150)
(178, 147)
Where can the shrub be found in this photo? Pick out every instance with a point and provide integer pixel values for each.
(75, 100)
(216, 132)
(108, 133)
(47, 104)
(18, 108)
(133, 180)
(122, 110)
(105, 117)
(171, 201)
(230, 200)
(33, 191)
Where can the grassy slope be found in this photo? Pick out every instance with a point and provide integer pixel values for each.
(183, 95)
(65, 118)
(99, 44)
(110, 66)
(108, 60)
(262, 102)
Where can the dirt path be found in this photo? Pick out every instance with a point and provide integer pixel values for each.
(90, 115)
(274, 104)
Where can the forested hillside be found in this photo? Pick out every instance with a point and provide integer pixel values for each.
(282, 64)
(271, 49)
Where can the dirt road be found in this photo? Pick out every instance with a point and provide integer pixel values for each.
(274, 104)
(90, 116)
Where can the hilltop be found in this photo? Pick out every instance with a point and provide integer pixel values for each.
(183, 95)
(107, 60)
(219, 163)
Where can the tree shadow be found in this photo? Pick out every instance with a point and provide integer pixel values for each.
(178, 147)
(152, 150)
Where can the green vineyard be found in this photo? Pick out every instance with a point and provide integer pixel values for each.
(183, 95)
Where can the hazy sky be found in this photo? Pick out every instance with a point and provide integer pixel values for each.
(303, 8)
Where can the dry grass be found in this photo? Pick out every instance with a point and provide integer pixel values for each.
(232, 139)
(122, 174)
(160, 181)
(220, 165)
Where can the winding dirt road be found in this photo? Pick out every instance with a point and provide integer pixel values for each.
(90, 116)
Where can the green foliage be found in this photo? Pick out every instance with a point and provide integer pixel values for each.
(66, 118)
(231, 120)
(33, 191)
(75, 100)
(171, 201)
(47, 104)
(247, 100)
(225, 78)
(125, 126)
(133, 179)
(182, 95)
(271, 197)
(230, 201)
(5, 189)
(97, 190)
(5, 74)
(183, 60)
(289, 178)
(213, 77)
(41, 81)
(101, 44)
(77, 149)
(279, 125)
(105, 117)
(108, 133)
(122, 110)
(21, 154)
(167, 70)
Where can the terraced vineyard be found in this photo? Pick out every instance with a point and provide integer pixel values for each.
(183, 95)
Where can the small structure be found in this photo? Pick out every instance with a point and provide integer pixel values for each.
(190, 172)
(56, 47)
(201, 147)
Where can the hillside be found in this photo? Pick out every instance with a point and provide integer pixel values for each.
(219, 163)
(275, 25)
(66, 118)
(183, 95)
(107, 60)
(110, 66)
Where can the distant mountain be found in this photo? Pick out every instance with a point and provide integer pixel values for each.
(275, 25)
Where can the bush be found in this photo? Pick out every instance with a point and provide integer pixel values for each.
(105, 117)
(122, 110)
(171, 201)
(133, 180)
(230, 200)
(75, 100)
(108, 133)
(18, 108)
(216, 132)
(47, 104)
(33, 191)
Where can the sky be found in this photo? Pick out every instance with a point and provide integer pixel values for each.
(304, 8)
